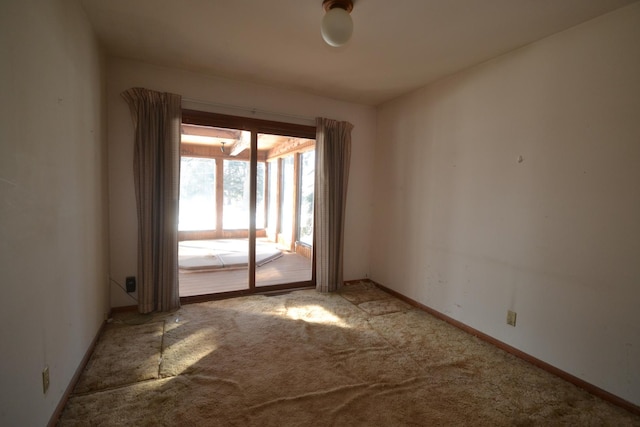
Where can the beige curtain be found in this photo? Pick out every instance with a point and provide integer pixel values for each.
(333, 154)
(156, 118)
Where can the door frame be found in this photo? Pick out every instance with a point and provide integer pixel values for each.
(255, 126)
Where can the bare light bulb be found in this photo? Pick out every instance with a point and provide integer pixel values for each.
(337, 27)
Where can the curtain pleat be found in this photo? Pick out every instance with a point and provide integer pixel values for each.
(156, 117)
(333, 155)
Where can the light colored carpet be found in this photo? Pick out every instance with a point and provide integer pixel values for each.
(355, 358)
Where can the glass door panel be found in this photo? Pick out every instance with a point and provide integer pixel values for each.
(213, 248)
(284, 245)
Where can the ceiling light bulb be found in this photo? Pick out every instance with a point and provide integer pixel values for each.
(337, 27)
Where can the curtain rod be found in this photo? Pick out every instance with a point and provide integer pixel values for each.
(251, 110)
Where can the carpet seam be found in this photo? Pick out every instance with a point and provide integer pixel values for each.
(164, 328)
(119, 386)
(365, 386)
(395, 349)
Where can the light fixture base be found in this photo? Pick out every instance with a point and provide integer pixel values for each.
(347, 5)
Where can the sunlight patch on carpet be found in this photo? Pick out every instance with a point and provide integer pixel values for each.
(315, 314)
(200, 344)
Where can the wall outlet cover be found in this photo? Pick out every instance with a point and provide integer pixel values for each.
(511, 318)
(45, 379)
(130, 283)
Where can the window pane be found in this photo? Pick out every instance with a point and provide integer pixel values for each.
(307, 174)
(260, 202)
(272, 219)
(235, 210)
(197, 194)
(287, 198)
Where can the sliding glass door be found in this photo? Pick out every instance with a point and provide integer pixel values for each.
(246, 205)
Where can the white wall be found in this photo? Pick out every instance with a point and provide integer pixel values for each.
(53, 236)
(124, 74)
(461, 226)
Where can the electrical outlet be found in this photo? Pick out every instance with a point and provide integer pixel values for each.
(511, 318)
(45, 379)
(130, 283)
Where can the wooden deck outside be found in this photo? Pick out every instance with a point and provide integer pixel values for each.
(289, 268)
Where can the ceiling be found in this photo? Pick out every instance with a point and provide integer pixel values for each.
(396, 46)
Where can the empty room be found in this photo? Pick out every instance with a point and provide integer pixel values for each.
(338, 212)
